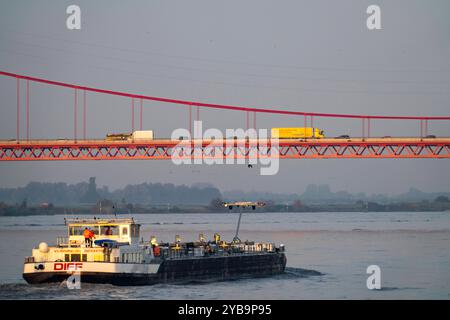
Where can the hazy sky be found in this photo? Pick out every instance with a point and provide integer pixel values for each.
(297, 55)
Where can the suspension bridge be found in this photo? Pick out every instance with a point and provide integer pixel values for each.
(79, 147)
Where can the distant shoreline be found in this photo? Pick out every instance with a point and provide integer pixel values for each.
(94, 210)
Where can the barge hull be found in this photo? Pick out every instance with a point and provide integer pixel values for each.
(215, 268)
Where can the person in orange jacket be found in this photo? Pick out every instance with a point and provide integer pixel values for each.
(91, 236)
(87, 237)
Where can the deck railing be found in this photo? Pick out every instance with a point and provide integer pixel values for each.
(215, 250)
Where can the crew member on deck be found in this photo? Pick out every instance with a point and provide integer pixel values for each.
(87, 237)
(91, 236)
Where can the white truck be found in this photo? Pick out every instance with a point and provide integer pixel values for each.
(141, 135)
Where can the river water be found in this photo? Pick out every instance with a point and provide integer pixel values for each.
(327, 253)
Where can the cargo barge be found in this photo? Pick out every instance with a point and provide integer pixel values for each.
(117, 255)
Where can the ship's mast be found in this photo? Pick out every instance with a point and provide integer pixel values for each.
(236, 238)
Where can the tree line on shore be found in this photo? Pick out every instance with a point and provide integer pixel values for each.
(38, 198)
(108, 207)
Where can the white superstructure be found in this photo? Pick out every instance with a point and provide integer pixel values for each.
(115, 249)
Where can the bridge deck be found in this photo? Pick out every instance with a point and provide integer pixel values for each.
(166, 149)
(337, 141)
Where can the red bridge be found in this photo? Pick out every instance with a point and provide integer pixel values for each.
(365, 146)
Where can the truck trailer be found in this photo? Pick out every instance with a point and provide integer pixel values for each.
(297, 133)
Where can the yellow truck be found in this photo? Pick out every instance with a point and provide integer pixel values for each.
(297, 133)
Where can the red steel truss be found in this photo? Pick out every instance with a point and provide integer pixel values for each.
(242, 149)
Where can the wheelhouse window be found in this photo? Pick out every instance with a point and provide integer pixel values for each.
(79, 230)
(76, 230)
(95, 229)
(109, 230)
(124, 231)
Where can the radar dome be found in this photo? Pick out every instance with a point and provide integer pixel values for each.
(43, 247)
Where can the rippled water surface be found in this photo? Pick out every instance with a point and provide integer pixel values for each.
(327, 253)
